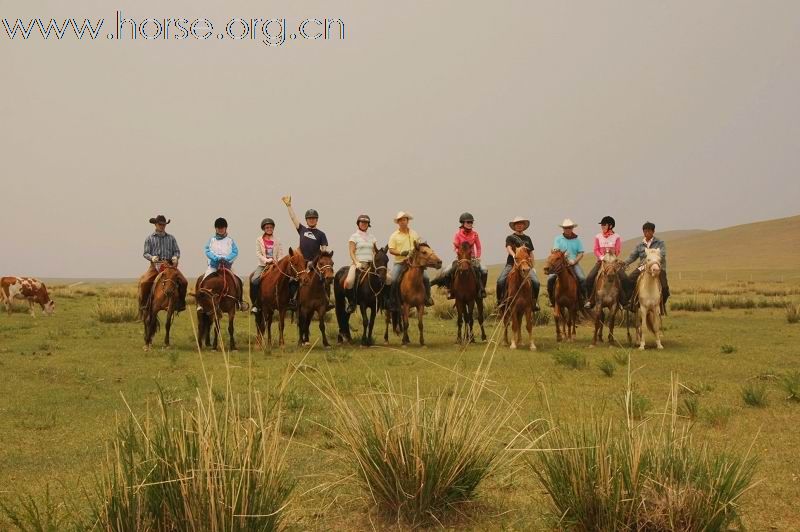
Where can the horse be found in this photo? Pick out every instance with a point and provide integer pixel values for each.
(648, 289)
(519, 295)
(216, 295)
(466, 287)
(312, 296)
(369, 288)
(163, 296)
(565, 312)
(274, 294)
(607, 288)
(411, 290)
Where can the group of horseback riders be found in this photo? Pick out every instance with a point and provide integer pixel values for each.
(161, 248)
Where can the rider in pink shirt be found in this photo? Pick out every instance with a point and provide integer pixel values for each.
(465, 234)
(605, 241)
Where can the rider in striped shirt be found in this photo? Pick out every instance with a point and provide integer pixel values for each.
(161, 247)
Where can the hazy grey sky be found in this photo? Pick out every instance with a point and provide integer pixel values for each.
(682, 112)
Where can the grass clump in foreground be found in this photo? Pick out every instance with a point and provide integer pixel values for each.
(420, 458)
(570, 359)
(792, 313)
(755, 394)
(608, 476)
(791, 385)
(116, 311)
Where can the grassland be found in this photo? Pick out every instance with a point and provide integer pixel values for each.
(64, 378)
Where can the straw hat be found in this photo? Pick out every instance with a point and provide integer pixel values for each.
(403, 214)
(568, 223)
(519, 219)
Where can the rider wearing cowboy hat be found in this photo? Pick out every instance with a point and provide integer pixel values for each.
(569, 243)
(606, 241)
(362, 252)
(161, 247)
(312, 243)
(465, 234)
(221, 251)
(269, 252)
(401, 243)
(513, 241)
(650, 241)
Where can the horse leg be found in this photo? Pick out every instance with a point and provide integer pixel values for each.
(480, 319)
(529, 325)
(460, 319)
(557, 320)
(321, 314)
(471, 321)
(168, 325)
(597, 318)
(642, 324)
(366, 332)
(657, 326)
(612, 316)
(386, 333)
(404, 323)
(373, 314)
(515, 325)
(420, 314)
(231, 317)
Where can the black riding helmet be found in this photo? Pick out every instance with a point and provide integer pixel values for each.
(364, 218)
(609, 221)
(267, 221)
(312, 213)
(466, 217)
(220, 222)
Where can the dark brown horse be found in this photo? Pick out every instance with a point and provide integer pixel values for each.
(274, 294)
(312, 296)
(216, 295)
(370, 284)
(607, 288)
(411, 292)
(565, 312)
(466, 290)
(163, 296)
(519, 293)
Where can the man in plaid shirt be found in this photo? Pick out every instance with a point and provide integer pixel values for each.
(161, 247)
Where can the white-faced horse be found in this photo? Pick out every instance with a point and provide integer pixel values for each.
(648, 288)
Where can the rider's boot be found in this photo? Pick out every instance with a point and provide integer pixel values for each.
(551, 291)
(293, 286)
(350, 294)
(428, 298)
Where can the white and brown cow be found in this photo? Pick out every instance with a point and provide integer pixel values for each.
(33, 290)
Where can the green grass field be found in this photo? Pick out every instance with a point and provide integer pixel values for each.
(64, 379)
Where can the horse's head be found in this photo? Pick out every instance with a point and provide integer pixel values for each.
(556, 261)
(297, 264)
(522, 260)
(652, 262)
(610, 264)
(464, 255)
(168, 278)
(424, 256)
(323, 265)
(380, 261)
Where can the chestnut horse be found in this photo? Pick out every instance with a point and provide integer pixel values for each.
(216, 295)
(274, 294)
(519, 293)
(565, 312)
(466, 288)
(370, 284)
(411, 292)
(607, 288)
(312, 296)
(163, 296)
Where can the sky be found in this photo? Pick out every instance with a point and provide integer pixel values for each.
(682, 112)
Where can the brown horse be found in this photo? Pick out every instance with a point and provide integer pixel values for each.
(466, 290)
(163, 296)
(274, 294)
(520, 294)
(565, 312)
(312, 296)
(607, 289)
(411, 292)
(216, 295)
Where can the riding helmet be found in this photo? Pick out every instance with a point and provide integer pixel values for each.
(364, 218)
(267, 221)
(466, 217)
(311, 213)
(609, 221)
(220, 222)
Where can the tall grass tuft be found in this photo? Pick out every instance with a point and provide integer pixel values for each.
(791, 385)
(116, 311)
(607, 367)
(28, 513)
(419, 458)
(792, 313)
(570, 359)
(214, 465)
(607, 476)
(754, 394)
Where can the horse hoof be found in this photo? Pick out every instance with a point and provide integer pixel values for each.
(661, 347)
(533, 347)
(513, 346)
(591, 346)
(146, 348)
(641, 348)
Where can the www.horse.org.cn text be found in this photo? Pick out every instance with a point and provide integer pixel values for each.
(268, 31)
